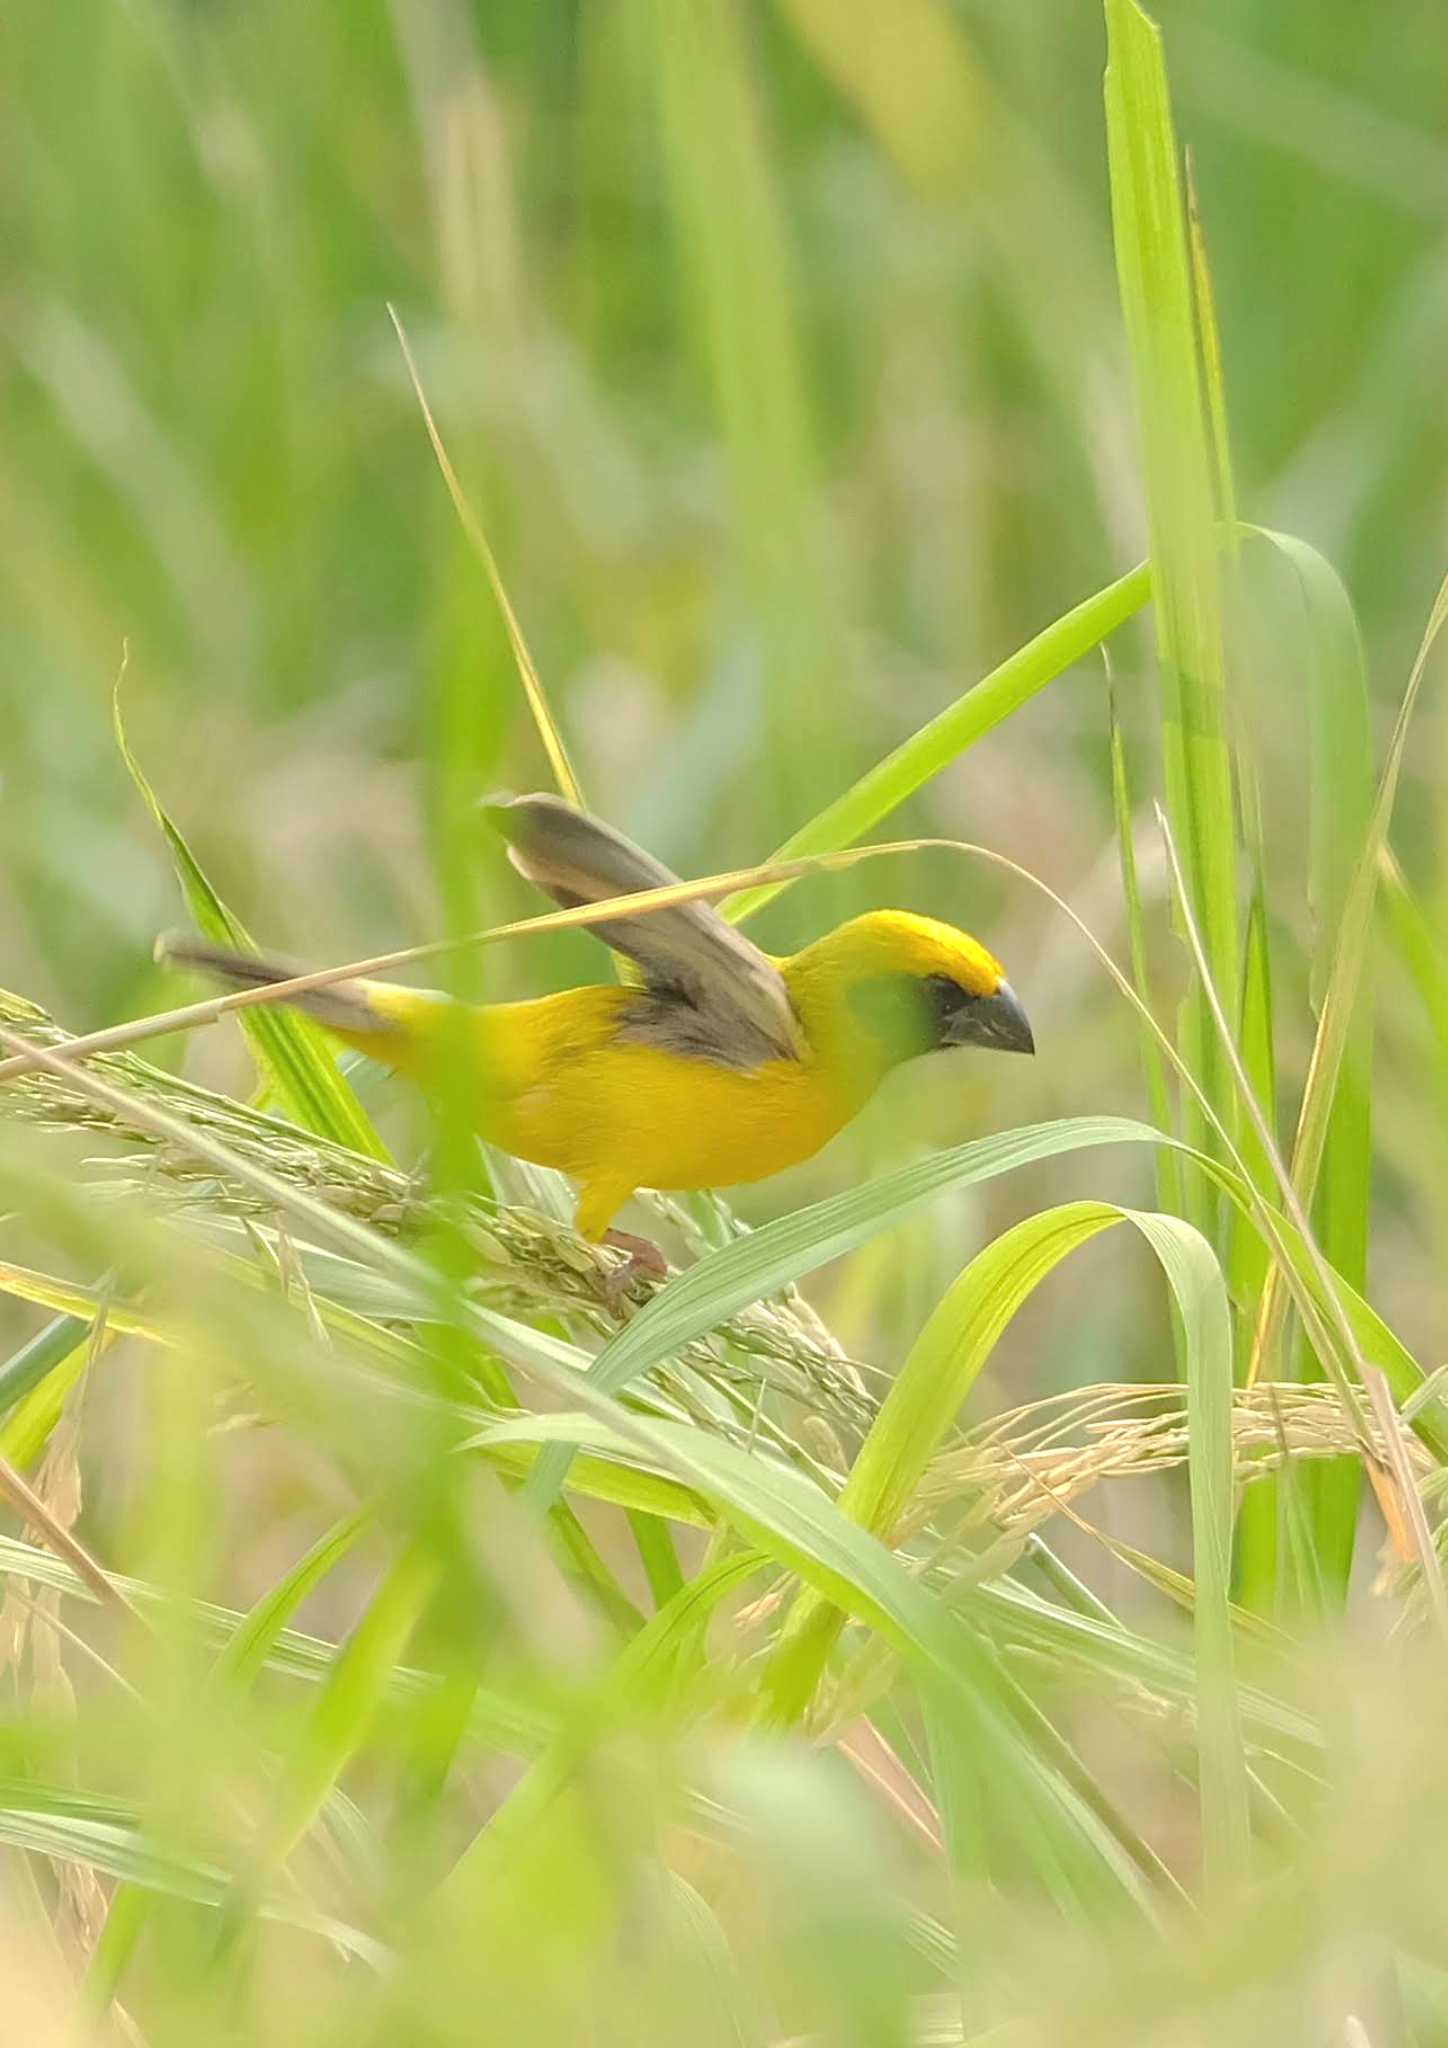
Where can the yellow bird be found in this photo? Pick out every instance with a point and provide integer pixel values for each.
(726, 1065)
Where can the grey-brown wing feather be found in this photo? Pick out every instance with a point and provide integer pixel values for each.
(716, 996)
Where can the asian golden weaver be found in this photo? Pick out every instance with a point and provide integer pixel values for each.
(724, 1066)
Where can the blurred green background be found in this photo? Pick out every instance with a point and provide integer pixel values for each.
(783, 360)
(779, 346)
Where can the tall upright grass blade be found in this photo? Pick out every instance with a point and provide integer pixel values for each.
(1420, 946)
(1259, 1553)
(1348, 953)
(1168, 1166)
(1338, 1002)
(1182, 475)
(1340, 789)
(1247, 1253)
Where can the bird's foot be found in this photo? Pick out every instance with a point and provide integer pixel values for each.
(644, 1260)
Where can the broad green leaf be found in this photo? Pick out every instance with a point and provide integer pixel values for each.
(938, 1373)
(945, 1360)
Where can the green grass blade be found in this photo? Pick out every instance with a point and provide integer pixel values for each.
(635, 1684)
(45, 1353)
(1341, 788)
(657, 1555)
(1348, 952)
(243, 1657)
(1248, 1256)
(1183, 482)
(248, 1649)
(946, 1358)
(1347, 955)
(549, 732)
(952, 731)
(1214, 385)
(102, 1835)
(918, 87)
(295, 1655)
(939, 1371)
(27, 1428)
(1168, 1168)
(360, 1677)
(1259, 1555)
(1202, 1305)
(1419, 946)
(782, 1251)
(292, 1054)
(778, 1510)
(731, 2003)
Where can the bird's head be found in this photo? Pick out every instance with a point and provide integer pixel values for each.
(912, 985)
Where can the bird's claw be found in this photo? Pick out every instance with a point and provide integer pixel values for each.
(644, 1261)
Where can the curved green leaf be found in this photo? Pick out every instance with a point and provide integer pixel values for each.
(784, 1250)
(943, 1365)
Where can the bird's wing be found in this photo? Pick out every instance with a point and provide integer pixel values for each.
(736, 1008)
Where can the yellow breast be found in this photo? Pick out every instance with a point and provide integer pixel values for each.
(565, 1092)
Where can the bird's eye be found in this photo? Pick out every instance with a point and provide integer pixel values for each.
(947, 1000)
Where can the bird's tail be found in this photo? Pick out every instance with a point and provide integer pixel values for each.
(349, 1008)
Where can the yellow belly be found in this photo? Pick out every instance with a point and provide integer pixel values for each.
(655, 1120)
(618, 1116)
(557, 1087)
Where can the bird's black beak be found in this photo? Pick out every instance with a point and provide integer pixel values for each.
(997, 1022)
